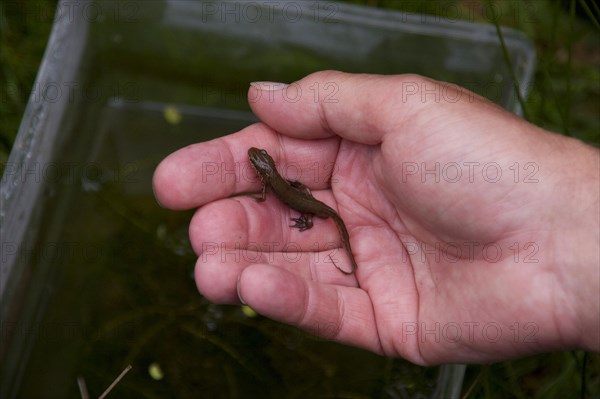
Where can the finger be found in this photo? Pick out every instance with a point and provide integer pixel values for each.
(203, 172)
(362, 108)
(343, 314)
(242, 222)
(218, 269)
(260, 232)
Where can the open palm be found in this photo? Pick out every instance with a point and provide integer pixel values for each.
(448, 206)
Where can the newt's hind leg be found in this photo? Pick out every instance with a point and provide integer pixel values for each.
(304, 222)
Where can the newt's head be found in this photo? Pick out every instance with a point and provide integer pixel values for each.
(262, 162)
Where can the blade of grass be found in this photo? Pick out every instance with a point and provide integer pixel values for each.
(450, 381)
(475, 382)
(115, 382)
(589, 12)
(547, 57)
(568, 94)
(550, 387)
(143, 339)
(511, 71)
(82, 388)
(583, 387)
(227, 348)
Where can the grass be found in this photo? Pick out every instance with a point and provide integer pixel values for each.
(564, 98)
(24, 30)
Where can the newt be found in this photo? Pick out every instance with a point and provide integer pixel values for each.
(298, 197)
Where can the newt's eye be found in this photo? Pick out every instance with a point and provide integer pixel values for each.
(263, 152)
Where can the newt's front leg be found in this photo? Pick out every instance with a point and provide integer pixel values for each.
(263, 195)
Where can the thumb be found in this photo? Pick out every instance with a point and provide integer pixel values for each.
(362, 108)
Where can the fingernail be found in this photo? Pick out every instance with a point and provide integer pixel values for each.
(237, 287)
(269, 86)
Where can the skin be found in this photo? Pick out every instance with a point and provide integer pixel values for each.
(473, 268)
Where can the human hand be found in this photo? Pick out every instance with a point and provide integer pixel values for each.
(460, 215)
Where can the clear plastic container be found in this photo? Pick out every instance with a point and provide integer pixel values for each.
(86, 249)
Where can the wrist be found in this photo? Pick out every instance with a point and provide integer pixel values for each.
(576, 231)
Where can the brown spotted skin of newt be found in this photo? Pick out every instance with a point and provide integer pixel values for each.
(297, 196)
